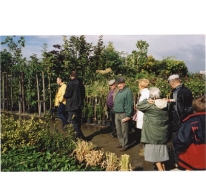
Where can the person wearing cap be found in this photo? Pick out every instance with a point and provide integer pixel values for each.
(180, 108)
(123, 108)
(110, 104)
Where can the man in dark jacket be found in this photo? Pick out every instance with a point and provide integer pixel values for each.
(75, 95)
(180, 108)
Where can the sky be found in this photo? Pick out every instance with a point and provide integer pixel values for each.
(171, 28)
(187, 48)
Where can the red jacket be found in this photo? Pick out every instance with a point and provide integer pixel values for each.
(191, 142)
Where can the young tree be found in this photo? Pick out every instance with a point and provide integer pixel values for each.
(18, 62)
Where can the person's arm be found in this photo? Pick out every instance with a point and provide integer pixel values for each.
(62, 92)
(183, 140)
(143, 105)
(129, 105)
(184, 101)
(68, 92)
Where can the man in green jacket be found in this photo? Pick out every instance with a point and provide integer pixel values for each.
(123, 108)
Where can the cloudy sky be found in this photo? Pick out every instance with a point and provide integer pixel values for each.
(171, 28)
(188, 48)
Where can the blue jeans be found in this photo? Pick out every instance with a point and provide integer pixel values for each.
(60, 112)
(74, 118)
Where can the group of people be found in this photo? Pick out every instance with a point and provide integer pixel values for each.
(69, 101)
(158, 120)
(179, 118)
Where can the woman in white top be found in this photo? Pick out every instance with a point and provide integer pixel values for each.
(144, 94)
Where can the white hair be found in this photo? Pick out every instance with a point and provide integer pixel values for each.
(155, 93)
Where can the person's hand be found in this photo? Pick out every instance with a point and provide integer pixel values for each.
(125, 119)
(150, 101)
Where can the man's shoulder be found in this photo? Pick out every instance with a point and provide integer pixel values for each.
(184, 88)
(128, 89)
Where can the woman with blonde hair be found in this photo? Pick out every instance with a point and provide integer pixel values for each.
(144, 94)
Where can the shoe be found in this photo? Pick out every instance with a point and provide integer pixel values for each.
(118, 146)
(124, 149)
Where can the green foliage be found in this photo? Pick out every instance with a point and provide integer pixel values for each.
(28, 158)
(34, 132)
(169, 66)
(30, 145)
(99, 111)
(90, 110)
(6, 60)
(196, 83)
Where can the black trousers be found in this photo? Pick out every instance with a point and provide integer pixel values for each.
(175, 153)
(74, 118)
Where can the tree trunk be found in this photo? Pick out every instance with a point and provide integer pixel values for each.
(23, 97)
(20, 95)
(95, 108)
(11, 91)
(3, 93)
(44, 101)
(7, 97)
(50, 101)
(38, 98)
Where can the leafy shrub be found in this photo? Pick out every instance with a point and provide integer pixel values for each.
(27, 158)
(34, 132)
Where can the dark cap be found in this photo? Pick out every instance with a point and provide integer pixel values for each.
(120, 80)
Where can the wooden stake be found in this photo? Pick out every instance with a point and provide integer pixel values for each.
(20, 95)
(3, 93)
(22, 88)
(38, 99)
(43, 83)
